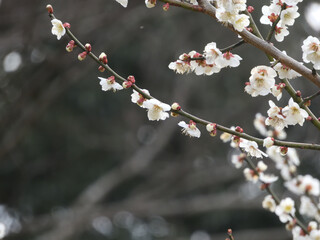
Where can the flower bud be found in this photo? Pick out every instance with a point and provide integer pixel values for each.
(175, 106)
(166, 7)
(131, 79)
(298, 93)
(261, 166)
(82, 56)
(101, 69)
(268, 142)
(103, 58)
(88, 47)
(250, 9)
(49, 9)
(309, 118)
(70, 46)
(126, 84)
(67, 25)
(239, 129)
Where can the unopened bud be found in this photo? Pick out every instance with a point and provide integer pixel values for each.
(70, 46)
(309, 118)
(131, 79)
(49, 9)
(166, 7)
(250, 9)
(126, 84)
(229, 231)
(103, 58)
(239, 129)
(175, 106)
(67, 25)
(82, 56)
(298, 93)
(88, 47)
(249, 29)
(101, 69)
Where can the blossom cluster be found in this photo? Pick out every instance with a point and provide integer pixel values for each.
(211, 61)
(311, 51)
(286, 10)
(230, 12)
(262, 80)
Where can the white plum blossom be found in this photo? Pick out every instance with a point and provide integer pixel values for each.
(262, 166)
(250, 175)
(182, 65)
(237, 160)
(156, 109)
(251, 147)
(307, 207)
(276, 117)
(268, 142)
(228, 60)
(276, 91)
(124, 3)
(294, 114)
(269, 203)
(211, 52)
(285, 209)
(261, 81)
(284, 71)
(267, 178)
(190, 129)
(292, 2)
(315, 235)
(57, 28)
(150, 3)
(311, 51)
(259, 124)
(240, 22)
(109, 84)
(304, 184)
(270, 13)
(280, 32)
(228, 12)
(289, 15)
(138, 98)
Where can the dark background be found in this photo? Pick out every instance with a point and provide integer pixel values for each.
(80, 163)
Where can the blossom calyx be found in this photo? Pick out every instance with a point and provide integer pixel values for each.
(175, 106)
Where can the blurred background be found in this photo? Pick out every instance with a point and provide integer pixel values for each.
(78, 163)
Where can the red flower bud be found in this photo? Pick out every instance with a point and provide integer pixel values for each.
(67, 25)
